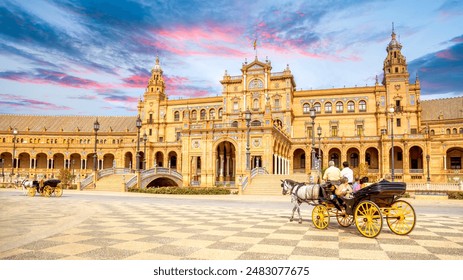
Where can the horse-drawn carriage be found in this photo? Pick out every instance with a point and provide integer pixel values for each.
(45, 188)
(366, 208)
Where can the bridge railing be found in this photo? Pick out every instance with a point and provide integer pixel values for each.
(86, 182)
(258, 171)
(440, 187)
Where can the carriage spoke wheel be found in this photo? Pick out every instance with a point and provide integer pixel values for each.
(31, 191)
(368, 219)
(47, 191)
(344, 220)
(401, 217)
(58, 191)
(320, 217)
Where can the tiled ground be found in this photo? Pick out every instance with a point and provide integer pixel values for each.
(123, 231)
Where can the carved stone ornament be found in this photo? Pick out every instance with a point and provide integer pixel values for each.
(196, 144)
(397, 87)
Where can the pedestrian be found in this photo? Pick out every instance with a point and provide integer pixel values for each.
(348, 173)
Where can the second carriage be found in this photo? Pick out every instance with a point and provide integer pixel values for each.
(366, 208)
(46, 188)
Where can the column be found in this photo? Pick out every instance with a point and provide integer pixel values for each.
(274, 164)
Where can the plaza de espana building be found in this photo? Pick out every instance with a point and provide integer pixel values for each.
(210, 141)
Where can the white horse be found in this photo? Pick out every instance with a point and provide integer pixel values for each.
(300, 192)
(25, 184)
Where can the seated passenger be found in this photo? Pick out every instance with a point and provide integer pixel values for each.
(356, 186)
(343, 189)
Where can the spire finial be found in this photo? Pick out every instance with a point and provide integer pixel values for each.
(393, 27)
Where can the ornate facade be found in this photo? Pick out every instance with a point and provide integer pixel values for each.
(208, 140)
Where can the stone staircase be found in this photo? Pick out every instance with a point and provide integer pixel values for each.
(111, 183)
(269, 184)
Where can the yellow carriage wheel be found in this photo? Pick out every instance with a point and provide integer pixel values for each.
(58, 191)
(47, 191)
(368, 219)
(320, 217)
(401, 217)
(344, 220)
(31, 191)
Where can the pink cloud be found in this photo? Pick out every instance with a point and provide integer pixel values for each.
(446, 54)
(43, 76)
(207, 40)
(135, 81)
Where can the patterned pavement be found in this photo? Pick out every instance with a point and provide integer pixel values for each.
(62, 229)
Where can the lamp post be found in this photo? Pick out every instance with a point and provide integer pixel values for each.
(391, 112)
(96, 127)
(428, 158)
(73, 177)
(319, 133)
(313, 114)
(138, 124)
(15, 133)
(247, 117)
(145, 138)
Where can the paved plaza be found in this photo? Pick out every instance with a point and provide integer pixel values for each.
(118, 227)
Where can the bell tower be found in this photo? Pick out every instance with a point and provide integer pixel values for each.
(156, 85)
(396, 76)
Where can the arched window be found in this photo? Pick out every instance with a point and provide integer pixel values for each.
(339, 107)
(220, 113)
(256, 83)
(306, 108)
(256, 123)
(212, 114)
(203, 114)
(461, 130)
(176, 116)
(362, 106)
(350, 106)
(454, 131)
(433, 132)
(318, 107)
(194, 115)
(448, 130)
(328, 108)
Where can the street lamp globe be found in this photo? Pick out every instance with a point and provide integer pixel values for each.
(391, 109)
(96, 126)
(138, 122)
(247, 115)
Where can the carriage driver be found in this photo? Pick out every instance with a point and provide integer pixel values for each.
(332, 173)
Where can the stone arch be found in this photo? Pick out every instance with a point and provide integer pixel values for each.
(159, 159)
(172, 160)
(335, 155)
(75, 161)
(415, 159)
(42, 159)
(398, 158)
(128, 160)
(225, 160)
(24, 160)
(454, 158)
(299, 160)
(58, 161)
(108, 161)
(372, 158)
(353, 157)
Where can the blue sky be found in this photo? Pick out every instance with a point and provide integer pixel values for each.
(78, 57)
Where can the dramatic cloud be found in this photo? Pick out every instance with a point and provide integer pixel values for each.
(441, 72)
(21, 104)
(43, 76)
(102, 51)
